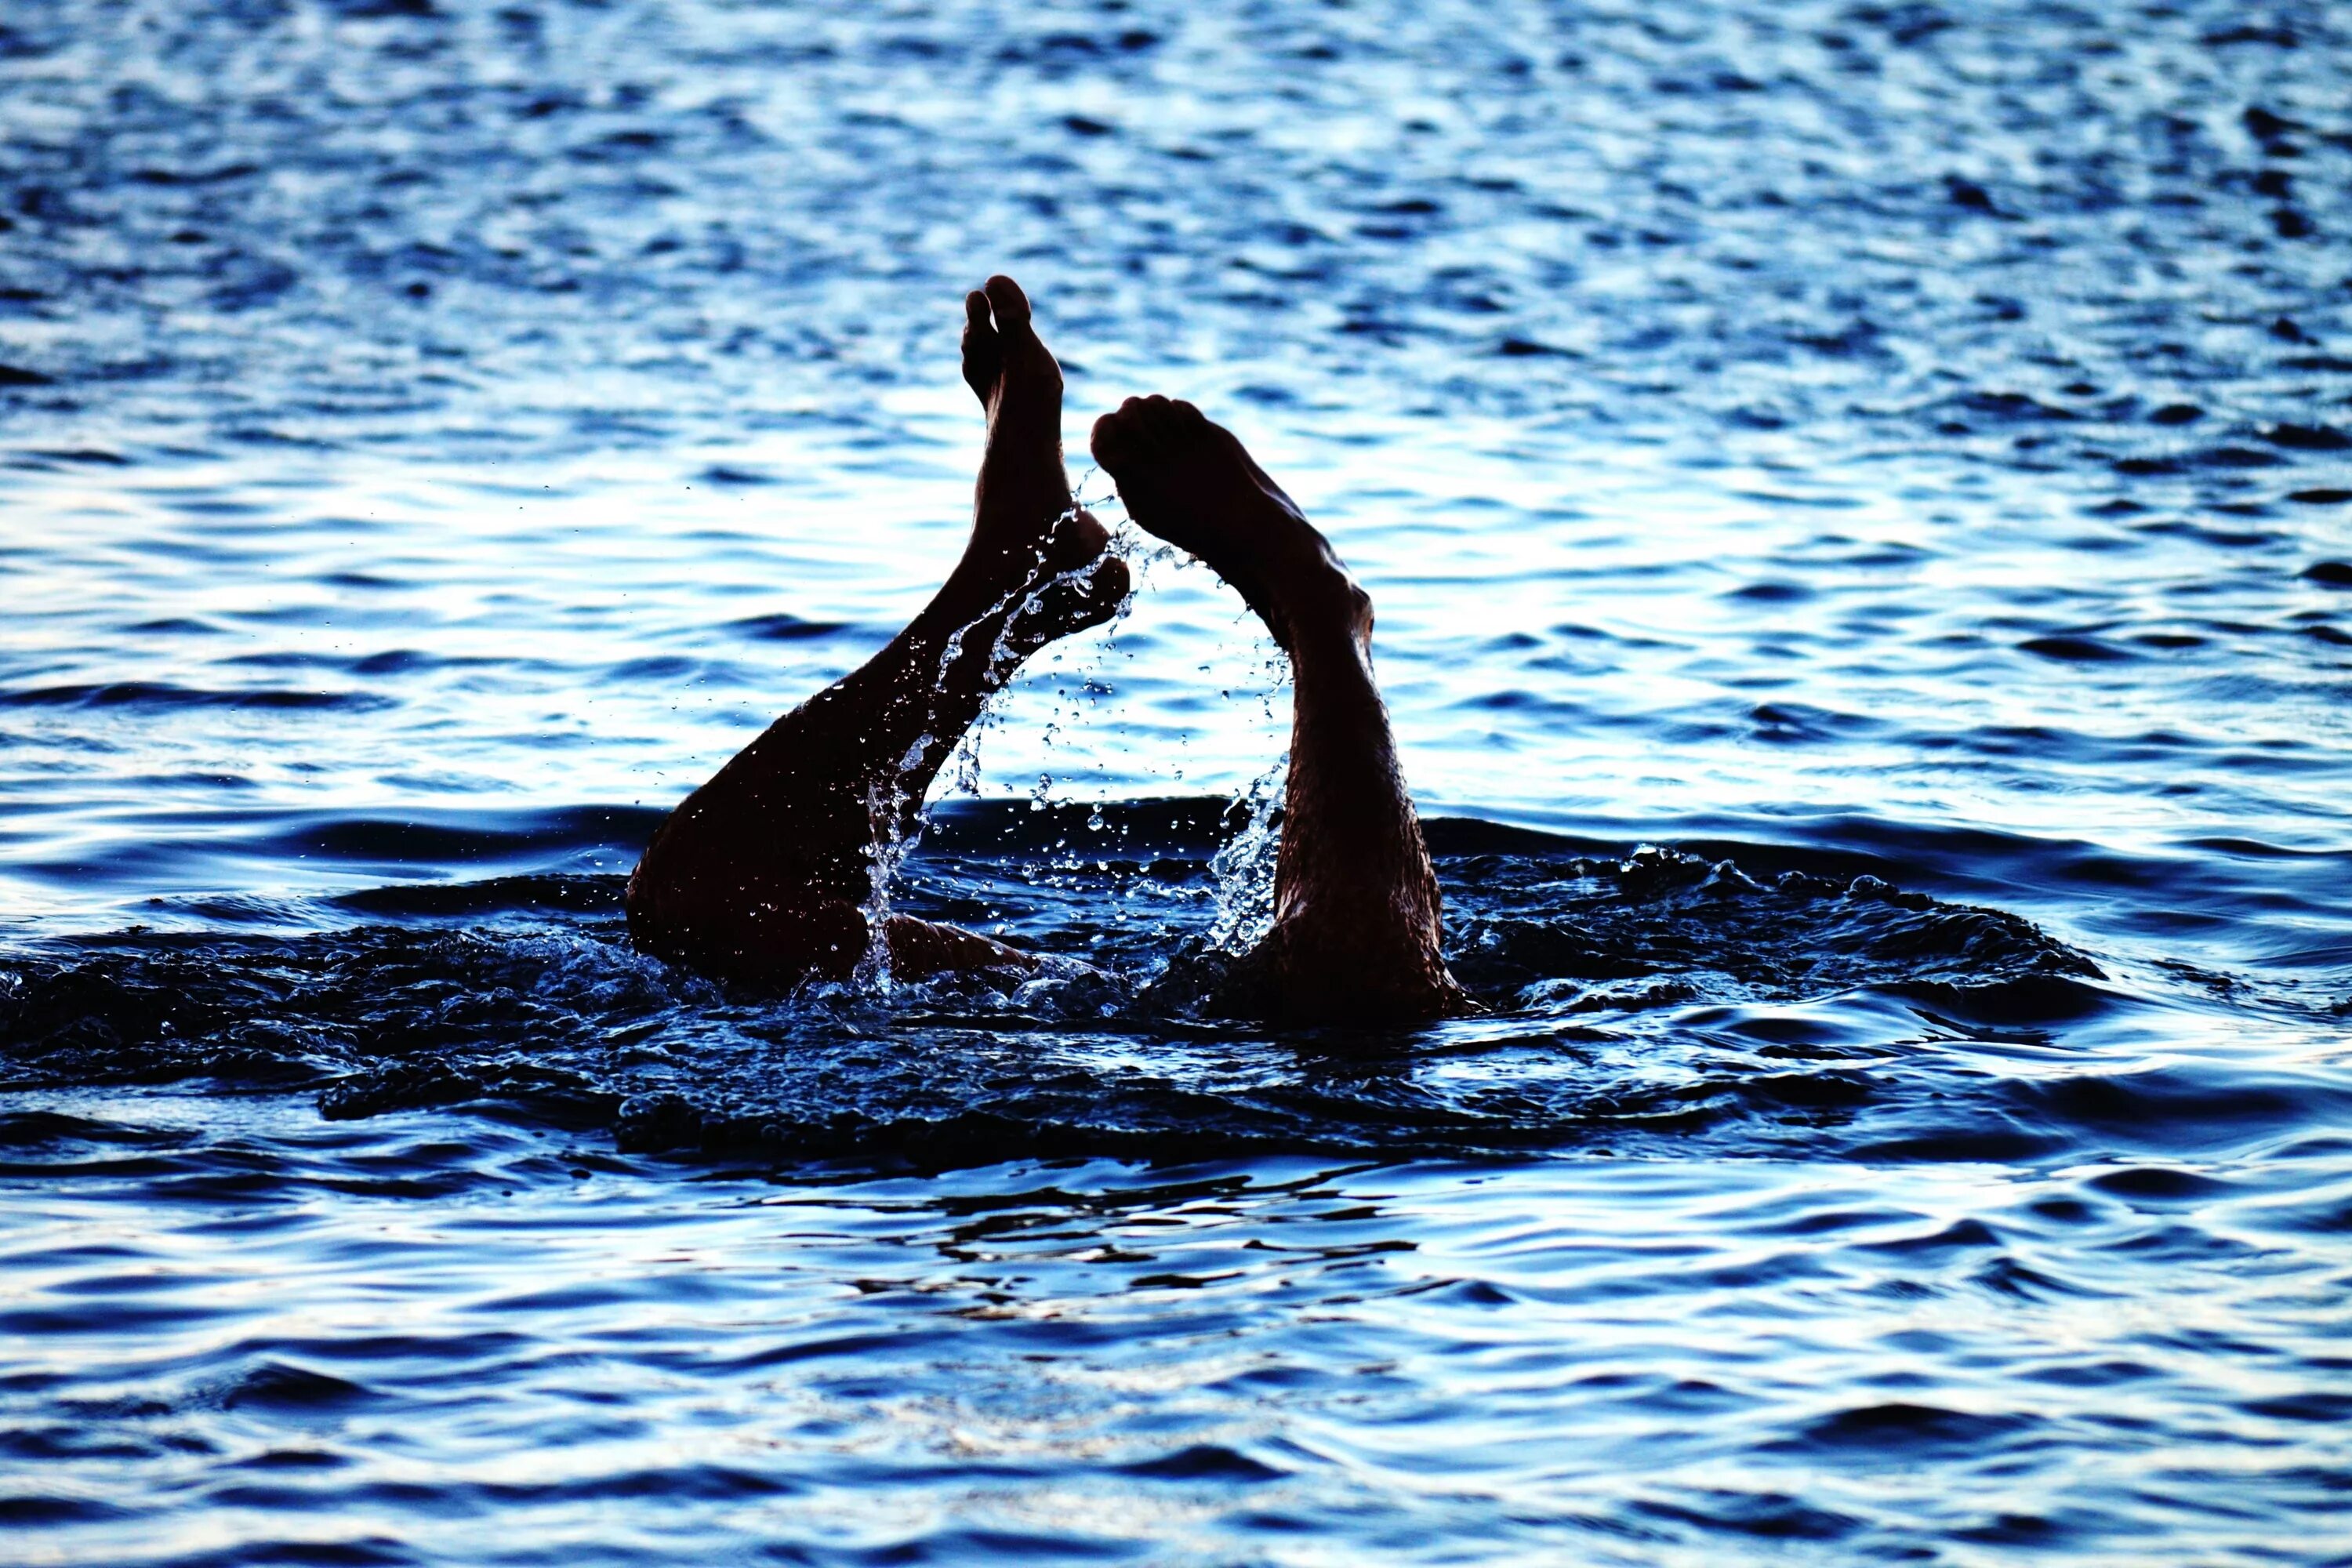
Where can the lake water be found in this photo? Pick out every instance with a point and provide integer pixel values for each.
(1859, 499)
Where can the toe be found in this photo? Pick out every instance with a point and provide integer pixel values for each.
(1011, 306)
(1116, 441)
(983, 351)
(1129, 436)
(1189, 425)
(1165, 419)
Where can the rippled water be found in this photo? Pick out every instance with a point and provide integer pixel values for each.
(1859, 499)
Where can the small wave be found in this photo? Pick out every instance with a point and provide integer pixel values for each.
(495, 896)
(455, 839)
(1644, 996)
(2184, 1108)
(152, 694)
(786, 628)
(1875, 1431)
(278, 1387)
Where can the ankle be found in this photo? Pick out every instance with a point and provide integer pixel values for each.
(1319, 605)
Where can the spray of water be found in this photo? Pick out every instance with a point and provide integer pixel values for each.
(896, 829)
(1243, 870)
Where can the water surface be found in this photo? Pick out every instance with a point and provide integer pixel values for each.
(1858, 502)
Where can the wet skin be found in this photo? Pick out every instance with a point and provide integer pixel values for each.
(760, 874)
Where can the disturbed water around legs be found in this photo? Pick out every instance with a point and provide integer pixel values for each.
(1859, 507)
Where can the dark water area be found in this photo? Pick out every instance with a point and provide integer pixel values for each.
(1859, 499)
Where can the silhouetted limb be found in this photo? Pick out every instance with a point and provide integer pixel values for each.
(1356, 923)
(761, 873)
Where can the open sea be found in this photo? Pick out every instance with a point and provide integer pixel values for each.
(1859, 500)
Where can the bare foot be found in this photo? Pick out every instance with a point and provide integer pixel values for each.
(1032, 553)
(1192, 484)
(1356, 904)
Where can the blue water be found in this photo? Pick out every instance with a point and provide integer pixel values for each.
(1859, 500)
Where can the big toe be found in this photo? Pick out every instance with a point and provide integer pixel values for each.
(1026, 367)
(1126, 436)
(1005, 298)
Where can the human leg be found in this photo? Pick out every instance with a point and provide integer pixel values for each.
(760, 873)
(1356, 901)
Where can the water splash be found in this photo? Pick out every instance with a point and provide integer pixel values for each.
(1774, 484)
(897, 819)
(1243, 869)
(895, 831)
